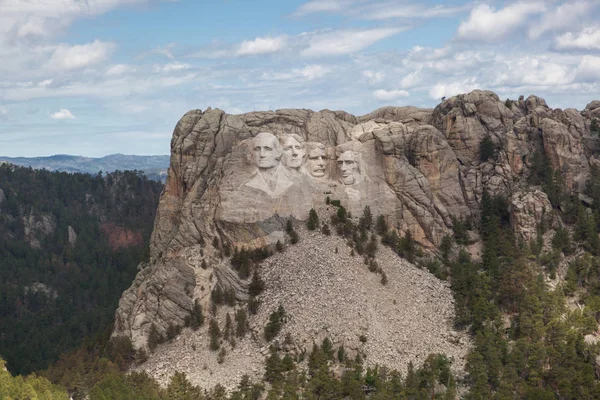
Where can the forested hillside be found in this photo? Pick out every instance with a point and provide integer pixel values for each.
(69, 246)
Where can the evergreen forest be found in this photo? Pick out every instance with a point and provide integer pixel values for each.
(69, 245)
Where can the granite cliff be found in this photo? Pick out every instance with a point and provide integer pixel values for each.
(236, 180)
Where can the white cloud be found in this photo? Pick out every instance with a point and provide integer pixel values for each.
(313, 71)
(317, 6)
(488, 25)
(588, 39)
(3, 112)
(45, 82)
(412, 79)
(309, 72)
(378, 10)
(373, 77)
(451, 89)
(564, 16)
(388, 95)
(389, 10)
(166, 50)
(171, 67)
(39, 19)
(346, 42)
(118, 69)
(261, 45)
(67, 57)
(63, 113)
(588, 69)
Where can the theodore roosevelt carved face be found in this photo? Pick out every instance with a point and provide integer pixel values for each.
(294, 150)
(317, 160)
(348, 167)
(266, 150)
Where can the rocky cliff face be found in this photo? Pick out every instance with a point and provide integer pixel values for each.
(235, 180)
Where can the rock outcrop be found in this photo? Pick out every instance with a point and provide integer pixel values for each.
(235, 180)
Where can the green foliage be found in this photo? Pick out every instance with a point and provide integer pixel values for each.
(366, 220)
(82, 281)
(180, 388)
(562, 240)
(487, 149)
(313, 220)
(31, 387)
(543, 174)
(381, 225)
(196, 316)
(279, 246)
(241, 323)
(253, 304)
(276, 321)
(243, 261)
(257, 285)
(460, 228)
(214, 332)
(154, 337)
(325, 230)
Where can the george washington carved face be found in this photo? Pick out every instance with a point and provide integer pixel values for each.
(266, 150)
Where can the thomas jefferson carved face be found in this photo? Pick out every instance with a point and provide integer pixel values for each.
(294, 151)
(348, 167)
(266, 150)
(317, 160)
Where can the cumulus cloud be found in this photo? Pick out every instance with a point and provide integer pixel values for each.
(346, 42)
(488, 25)
(588, 69)
(564, 16)
(67, 57)
(373, 77)
(440, 90)
(63, 113)
(261, 45)
(388, 95)
(588, 39)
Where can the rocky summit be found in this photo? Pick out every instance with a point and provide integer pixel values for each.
(247, 181)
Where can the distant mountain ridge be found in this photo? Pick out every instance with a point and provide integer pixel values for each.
(154, 167)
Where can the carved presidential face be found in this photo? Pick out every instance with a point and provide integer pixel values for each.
(266, 150)
(293, 152)
(317, 161)
(348, 167)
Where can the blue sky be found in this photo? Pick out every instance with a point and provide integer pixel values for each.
(95, 77)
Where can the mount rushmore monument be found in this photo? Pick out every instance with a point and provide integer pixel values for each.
(236, 180)
(285, 176)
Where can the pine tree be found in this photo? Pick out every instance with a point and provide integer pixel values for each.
(196, 317)
(154, 337)
(366, 220)
(313, 220)
(381, 225)
(215, 334)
